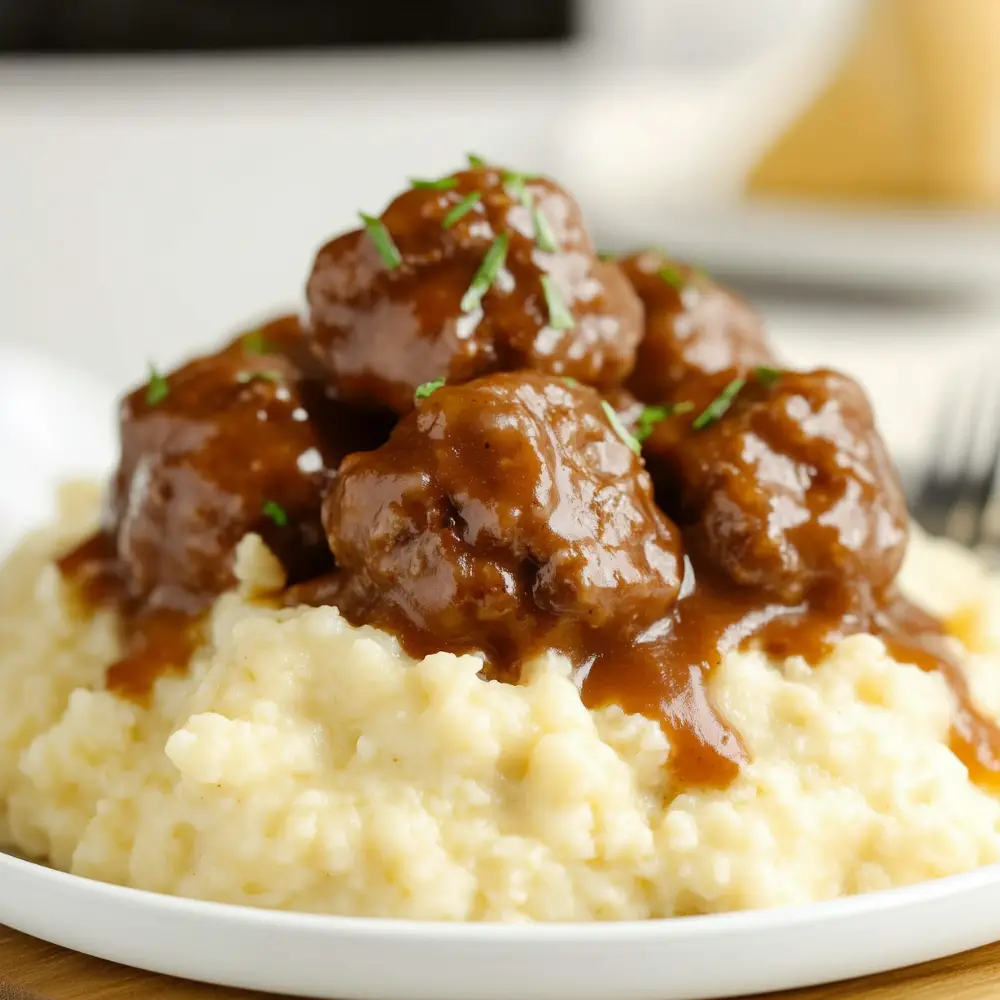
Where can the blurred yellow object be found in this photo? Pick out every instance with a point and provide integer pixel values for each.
(913, 115)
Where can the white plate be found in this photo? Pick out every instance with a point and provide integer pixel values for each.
(364, 959)
(906, 250)
(346, 958)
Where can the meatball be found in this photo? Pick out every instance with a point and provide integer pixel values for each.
(505, 515)
(693, 326)
(790, 490)
(486, 271)
(238, 441)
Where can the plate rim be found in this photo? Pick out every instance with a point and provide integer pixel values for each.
(769, 919)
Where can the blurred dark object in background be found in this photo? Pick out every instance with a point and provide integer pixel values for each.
(139, 26)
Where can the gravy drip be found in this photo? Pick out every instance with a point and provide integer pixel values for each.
(665, 676)
(157, 640)
(664, 672)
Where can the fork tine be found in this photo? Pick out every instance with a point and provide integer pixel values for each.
(985, 493)
(971, 485)
(938, 488)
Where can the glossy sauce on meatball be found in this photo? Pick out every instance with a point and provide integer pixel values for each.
(244, 440)
(790, 490)
(494, 272)
(504, 516)
(693, 327)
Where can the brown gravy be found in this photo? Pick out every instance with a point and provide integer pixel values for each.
(667, 676)
(156, 641)
(663, 674)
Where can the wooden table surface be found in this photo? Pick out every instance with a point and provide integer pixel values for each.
(33, 970)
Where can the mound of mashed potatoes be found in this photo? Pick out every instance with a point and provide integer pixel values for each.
(304, 764)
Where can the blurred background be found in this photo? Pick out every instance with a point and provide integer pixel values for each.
(168, 168)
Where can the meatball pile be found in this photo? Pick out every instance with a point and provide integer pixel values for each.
(486, 437)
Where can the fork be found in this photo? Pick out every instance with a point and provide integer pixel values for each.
(956, 496)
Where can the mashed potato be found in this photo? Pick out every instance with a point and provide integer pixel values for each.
(305, 764)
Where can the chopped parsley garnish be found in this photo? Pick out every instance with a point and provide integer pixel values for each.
(441, 184)
(718, 407)
(275, 512)
(607, 255)
(672, 276)
(560, 318)
(619, 428)
(486, 275)
(254, 342)
(653, 415)
(264, 376)
(571, 382)
(388, 250)
(158, 388)
(476, 162)
(766, 375)
(516, 184)
(462, 208)
(544, 237)
(423, 391)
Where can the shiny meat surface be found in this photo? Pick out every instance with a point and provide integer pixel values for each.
(693, 327)
(239, 441)
(549, 305)
(504, 515)
(790, 491)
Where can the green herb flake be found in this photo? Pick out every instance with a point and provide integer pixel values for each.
(254, 342)
(718, 407)
(486, 275)
(423, 391)
(275, 512)
(571, 382)
(544, 237)
(379, 235)
(158, 388)
(263, 376)
(653, 415)
(476, 162)
(766, 375)
(560, 318)
(441, 184)
(516, 184)
(673, 277)
(462, 208)
(619, 428)
(607, 255)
